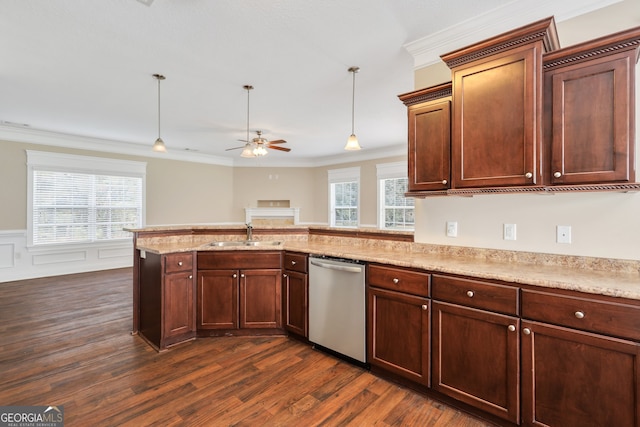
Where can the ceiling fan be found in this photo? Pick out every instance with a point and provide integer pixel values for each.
(257, 146)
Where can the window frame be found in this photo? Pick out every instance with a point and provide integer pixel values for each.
(393, 170)
(72, 163)
(342, 176)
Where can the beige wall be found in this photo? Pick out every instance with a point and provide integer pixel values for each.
(180, 192)
(177, 192)
(603, 224)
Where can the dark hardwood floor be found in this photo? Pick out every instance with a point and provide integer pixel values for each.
(66, 341)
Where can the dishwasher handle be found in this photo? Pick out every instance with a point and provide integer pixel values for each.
(346, 268)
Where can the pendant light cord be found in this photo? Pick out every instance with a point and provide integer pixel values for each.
(158, 106)
(353, 102)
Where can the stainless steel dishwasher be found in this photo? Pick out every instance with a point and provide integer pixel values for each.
(337, 316)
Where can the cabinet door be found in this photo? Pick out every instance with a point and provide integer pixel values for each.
(260, 298)
(592, 118)
(476, 358)
(178, 304)
(296, 302)
(496, 121)
(398, 328)
(573, 378)
(217, 299)
(430, 146)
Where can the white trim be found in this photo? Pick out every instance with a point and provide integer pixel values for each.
(344, 175)
(427, 50)
(251, 213)
(392, 170)
(336, 176)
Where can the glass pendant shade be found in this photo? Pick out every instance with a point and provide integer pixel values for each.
(352, 143)
(248, 151)
(159, 146)
(260, 150)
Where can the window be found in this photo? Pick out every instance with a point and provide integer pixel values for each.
(395, 210)
(80, 199)
(344, 197)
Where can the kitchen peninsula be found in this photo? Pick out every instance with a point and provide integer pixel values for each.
(545, 326)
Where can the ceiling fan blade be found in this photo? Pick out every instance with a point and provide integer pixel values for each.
(277, 141)
(234, 148)
(278, 148)
(243, 140)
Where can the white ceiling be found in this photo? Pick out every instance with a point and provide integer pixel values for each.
(78, 73)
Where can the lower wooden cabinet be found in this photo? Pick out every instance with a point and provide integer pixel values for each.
(233, 299)
(399, 330)
(166, 300)
(295, 293)
(476, 358)
(236, 298)
(575, 378)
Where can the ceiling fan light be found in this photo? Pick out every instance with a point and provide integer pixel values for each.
(159, 146)
(260, 150)
(352, 143)
(248, 151)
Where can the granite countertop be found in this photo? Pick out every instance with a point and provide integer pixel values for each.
(608, 279)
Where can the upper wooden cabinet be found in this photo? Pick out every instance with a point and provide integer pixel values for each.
(497, 108)
(429, 118)
(589, 110)
(526, 116)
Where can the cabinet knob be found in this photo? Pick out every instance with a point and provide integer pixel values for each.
(242, 275)
(396, 280)
(511, 328)
(191, 276)
(470, 294)
(528, 175)
(526, 331)
(444, 181)
(180, 263)
(579, 314)
(293, 263)
(284, 275)
(234, 275)
(557, 174)
(424, 306)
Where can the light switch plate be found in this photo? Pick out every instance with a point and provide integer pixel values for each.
(452, 229)
(509, 232)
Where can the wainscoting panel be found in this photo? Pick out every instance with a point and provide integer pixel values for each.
(18, 262)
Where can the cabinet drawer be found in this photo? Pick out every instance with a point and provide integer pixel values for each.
(178, 262)
(398, 279)
(295, 262)
(476, 294)
(609, 318)
(238, 260)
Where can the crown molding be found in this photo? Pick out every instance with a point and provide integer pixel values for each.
(427, 50)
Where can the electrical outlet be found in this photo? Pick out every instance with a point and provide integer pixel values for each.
(452, 229)
(563, 234)
(509, 232)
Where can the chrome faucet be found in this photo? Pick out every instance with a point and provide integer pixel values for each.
(249, 231)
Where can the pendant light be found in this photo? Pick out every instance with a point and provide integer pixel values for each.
(159, 146)
(352, 141)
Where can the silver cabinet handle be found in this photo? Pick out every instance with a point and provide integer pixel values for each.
(470, 294)
(528, 175)
(424, 306)
(579, 314)
(234, 275)
(242, 275)
(526, 331)
(557, 174)
(180, 263)
(293, 263)
(285, 276)
(511, 328)
(396, 280)
(191, 276)
(444, 181)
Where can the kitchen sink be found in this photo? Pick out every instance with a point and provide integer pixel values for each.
(246, 243)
